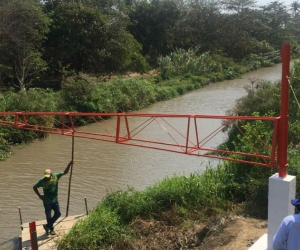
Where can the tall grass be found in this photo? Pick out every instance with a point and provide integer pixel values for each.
(188, 62)
(102, 227)
(173, 200)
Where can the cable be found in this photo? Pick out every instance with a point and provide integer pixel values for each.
(293, 91)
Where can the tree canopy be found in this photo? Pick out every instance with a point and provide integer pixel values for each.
(24, 27)
(55, 37)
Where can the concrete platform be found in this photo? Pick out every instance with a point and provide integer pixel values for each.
(261, 243)
(47, 242)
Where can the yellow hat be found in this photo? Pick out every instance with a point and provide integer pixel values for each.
(47, 173)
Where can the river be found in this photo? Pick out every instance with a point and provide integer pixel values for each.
(100, 166)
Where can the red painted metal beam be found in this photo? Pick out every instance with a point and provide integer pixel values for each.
(188, 139)
(284, 107)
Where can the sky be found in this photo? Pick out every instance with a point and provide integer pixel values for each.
(265, 2)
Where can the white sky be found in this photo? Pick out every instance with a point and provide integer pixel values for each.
(265, 2)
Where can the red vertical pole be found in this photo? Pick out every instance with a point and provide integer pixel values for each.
(187, 135)
(118, 129)
(32, 228)
(284, 108)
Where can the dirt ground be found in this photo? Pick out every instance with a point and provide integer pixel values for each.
(225, 233)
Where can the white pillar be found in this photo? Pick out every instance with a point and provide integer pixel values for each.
(281, 191)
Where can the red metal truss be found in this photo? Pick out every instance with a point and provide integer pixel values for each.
(179, 133)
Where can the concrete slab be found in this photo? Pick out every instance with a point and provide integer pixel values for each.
(261, 243)
(47, 242)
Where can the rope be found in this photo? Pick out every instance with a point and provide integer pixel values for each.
(293, 91)
(69, 191)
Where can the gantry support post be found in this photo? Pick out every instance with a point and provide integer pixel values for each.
(284, 108)
(282, 187)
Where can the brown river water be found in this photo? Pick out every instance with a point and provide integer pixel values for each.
(101, 166)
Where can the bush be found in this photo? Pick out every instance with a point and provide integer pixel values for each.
(134, 94)
(79, 93)
(5, 149)
(34, 99)
(182, 63)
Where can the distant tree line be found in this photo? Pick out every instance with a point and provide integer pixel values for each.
(55, 38)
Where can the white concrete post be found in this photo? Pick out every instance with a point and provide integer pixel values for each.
(281, 191)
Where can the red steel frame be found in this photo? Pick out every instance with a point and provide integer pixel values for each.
(284, 108)
(121, 130)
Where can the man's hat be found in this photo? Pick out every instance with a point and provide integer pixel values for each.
(296, 202)
(47, 173)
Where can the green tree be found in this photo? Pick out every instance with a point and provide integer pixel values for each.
(23, 29)
(276, 17)
(153, 25)
(238, 5)
(84, 39)
(248, 35)
(200, 26)
(295, 7)
(205, 25)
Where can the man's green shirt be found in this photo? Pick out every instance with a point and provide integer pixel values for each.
(50, 187)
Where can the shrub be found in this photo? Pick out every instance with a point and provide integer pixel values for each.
(34, 99)
(79, 93)
(134, 94)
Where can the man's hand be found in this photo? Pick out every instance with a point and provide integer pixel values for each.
(42, 197)
(68, 167)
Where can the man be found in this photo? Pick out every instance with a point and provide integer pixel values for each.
(287, 236)
(49, 183)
